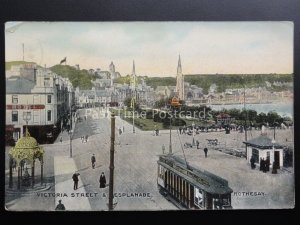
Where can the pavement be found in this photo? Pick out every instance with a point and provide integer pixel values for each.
(64, 168)
(135, 172)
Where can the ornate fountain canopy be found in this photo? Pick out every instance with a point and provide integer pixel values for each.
(26, 148)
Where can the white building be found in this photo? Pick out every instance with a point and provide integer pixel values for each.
(262, 147)
(42, 101)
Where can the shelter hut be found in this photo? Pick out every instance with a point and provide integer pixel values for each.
(26, 150)
(264, 147)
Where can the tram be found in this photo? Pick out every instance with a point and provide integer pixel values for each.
(191, 188)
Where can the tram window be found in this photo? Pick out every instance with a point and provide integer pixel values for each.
(161, 171)
(226, 200)
(219, 203)
(198, 197)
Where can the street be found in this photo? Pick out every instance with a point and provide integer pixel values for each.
(135, 171)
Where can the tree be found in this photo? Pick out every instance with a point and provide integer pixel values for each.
(273, 117)
(261, 118)
(128, 103)
(162, 102)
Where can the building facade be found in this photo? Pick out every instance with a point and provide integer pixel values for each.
(41, 100)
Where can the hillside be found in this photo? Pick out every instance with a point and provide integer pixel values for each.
(78, 78)
(224, 81)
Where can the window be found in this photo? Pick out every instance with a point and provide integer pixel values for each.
(47, 82)
(49, 115)
(36, 116)
(49, 99)
(14, 116)
(198, 197)
(15, 99)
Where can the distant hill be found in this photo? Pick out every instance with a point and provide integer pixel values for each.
(223, 81)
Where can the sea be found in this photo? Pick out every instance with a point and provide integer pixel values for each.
(282, 108)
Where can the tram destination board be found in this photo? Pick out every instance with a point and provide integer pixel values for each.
(149, 116)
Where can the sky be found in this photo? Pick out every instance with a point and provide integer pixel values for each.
(204, 47)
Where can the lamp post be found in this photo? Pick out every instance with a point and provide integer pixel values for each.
(193, 125)
(274, 124)
(133, 109)
(245, 122)
(27, 117)
(170, 143)
(274, 169)
(70, 133)
(111, 165)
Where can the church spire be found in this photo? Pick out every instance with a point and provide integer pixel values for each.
(179, 69)
(133, 78)
(180, 81)
(133, 69)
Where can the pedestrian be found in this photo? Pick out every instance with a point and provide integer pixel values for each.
(267, 166)
(60, 139)
(252, 161)
(163, 149)
(274, 168)
(261, 164)
(197, 143)
(75, 179)
(93, 160)
(264, 165)
(86, 138)
(14, 165)
(120, 131)
(205, 152)
(102, 180)
(60, 206)
(180, 130)
(26, 178)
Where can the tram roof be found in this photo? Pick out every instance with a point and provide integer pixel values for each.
(203, 179)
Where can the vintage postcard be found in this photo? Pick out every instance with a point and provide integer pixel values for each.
(132, 116)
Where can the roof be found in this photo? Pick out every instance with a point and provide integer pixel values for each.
(19, 86)
(26, 148)
(203, 179)
(262, 142)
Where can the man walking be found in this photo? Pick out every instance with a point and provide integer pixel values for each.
(75, 179)
(205, 152)
(197, 143)
(93, 160)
